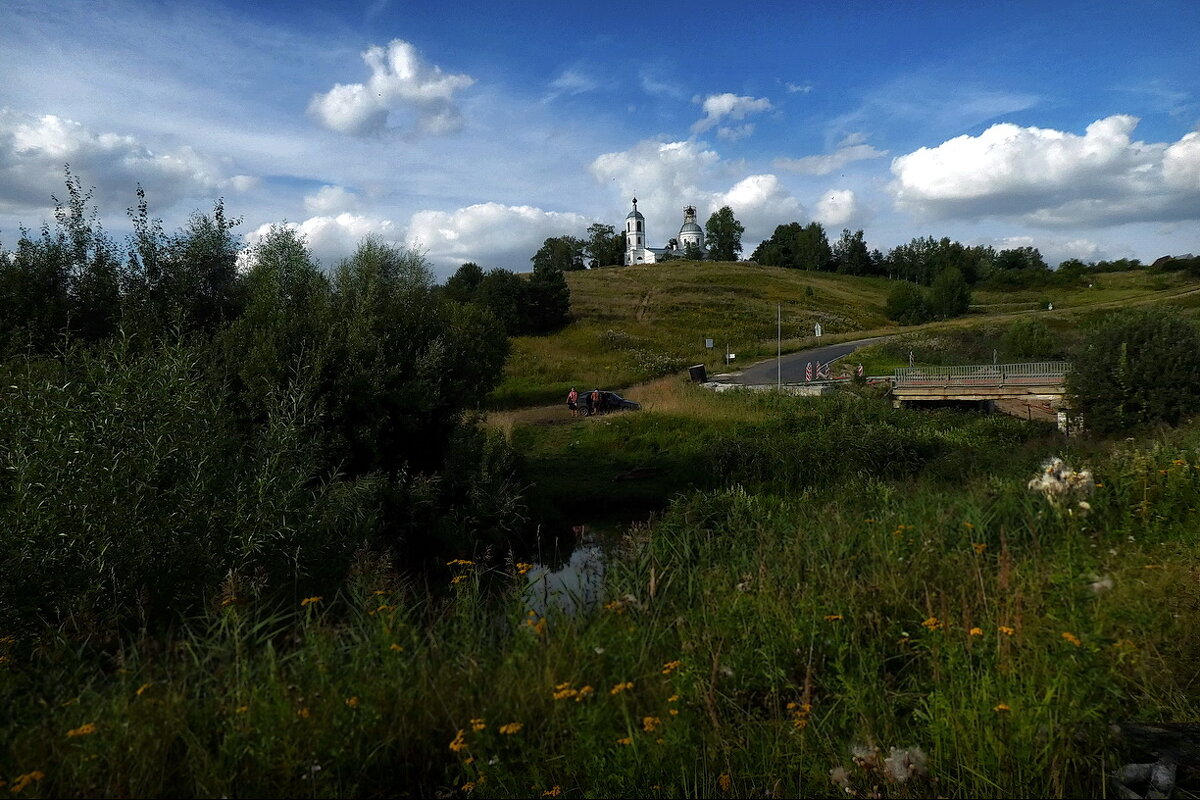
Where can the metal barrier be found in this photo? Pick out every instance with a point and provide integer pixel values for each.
(983, 374)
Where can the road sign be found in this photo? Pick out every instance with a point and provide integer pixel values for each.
(808, 372)
(817, 329)
(708, 343)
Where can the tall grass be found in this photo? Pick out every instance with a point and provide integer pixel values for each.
(747, 642)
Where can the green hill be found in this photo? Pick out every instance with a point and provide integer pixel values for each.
(632, 324)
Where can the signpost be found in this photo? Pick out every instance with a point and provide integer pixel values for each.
(778, 346)
(817, 330)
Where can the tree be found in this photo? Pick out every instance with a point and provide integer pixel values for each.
(1137, 366)
(906, 304)
(563, 253)
(949, 296)
(723, 235)
(692, 252)
(851, 255)
(547, 301)
(1028, 337)
(603, 247)
(503, 294)
(797, 247)
(462, 286)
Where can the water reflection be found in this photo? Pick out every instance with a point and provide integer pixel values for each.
(577, 585)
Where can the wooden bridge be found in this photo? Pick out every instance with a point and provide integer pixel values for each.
(1040, 385)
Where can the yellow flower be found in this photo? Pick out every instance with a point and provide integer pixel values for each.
(975, 632)
(725, 781)
(933, 623)
(625, 740)
(1007, 631)
(553, 791)
(379, 592)
(478, 724)
(308, 601)
(834, 618)
(511, 728)
(241, 709)
(620, 687)
(1002, 707)
(143, 688)
(24, 780)
(352, 702)
(458, 579)
(1072, 638)
(615, 605)
(969, 526)
(460, 562)
(538, 626)
(584, 691)
(460, 743)
(522, 567)
(303, 713)
(671, 666)
(673, 698)
(396, 648)
(674, 712)
(650, 724)
(563, 694)
(86, 729)
(979, 547)
(469, 786)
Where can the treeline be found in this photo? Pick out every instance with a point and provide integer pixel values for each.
(176, 412)
(539, 304)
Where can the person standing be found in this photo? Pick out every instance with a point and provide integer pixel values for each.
(573, 402)
(594, 401)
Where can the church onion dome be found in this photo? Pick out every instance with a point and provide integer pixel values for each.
(690, 227)
(635, 214)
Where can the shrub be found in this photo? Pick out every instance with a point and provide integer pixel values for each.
(906, 304)
(949, 296)
(1137, 366)
(1029, 338)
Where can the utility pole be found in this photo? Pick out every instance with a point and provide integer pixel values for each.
(778, 346)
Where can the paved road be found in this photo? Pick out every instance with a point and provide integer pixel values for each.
(792, 365)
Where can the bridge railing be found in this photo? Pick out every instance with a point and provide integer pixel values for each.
(982, 374)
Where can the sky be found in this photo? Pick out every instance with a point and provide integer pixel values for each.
(474, 131)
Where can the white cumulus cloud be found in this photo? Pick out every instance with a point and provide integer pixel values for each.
(1052, 178)
(334, 237)
(490, 234)
(728, 106)
(33, 150)
(400, 81)
(760, 203)
(837, 208)
(330, 200)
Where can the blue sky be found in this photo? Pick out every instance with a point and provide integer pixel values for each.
(475, 131)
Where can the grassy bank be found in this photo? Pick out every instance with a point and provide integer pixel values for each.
(893, 586)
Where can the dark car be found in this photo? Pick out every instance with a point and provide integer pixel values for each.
(609, 401)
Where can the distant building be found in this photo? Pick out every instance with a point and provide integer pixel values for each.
(636, 251)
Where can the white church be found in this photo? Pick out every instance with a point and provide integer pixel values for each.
(636, 251)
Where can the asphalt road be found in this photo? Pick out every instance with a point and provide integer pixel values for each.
(792, 365)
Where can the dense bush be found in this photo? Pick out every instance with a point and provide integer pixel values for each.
(906, 304)
(1029, 337)
(1135, 367)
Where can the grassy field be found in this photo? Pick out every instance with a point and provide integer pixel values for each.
(850, 594)
(633, 324)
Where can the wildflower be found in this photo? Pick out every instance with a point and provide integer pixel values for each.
(469, 786)
(979, 547)
(86, 729)
(460, 743)
(553, 791)
(1056, 482)
(143, 688)
(933, 624)
(1072, 638)
(674, 712)
(478, 724)
(650, 724)
(584, 691)
(308, 601)
(671, 666)
(673, 698)
(460, 562)
(1007, 631)
(24, 780)
(834, 617)
(396, 648)
(228, 601)
(522, 567)
(840, 777)
(383, 608)
(352, 702)
(865, 756)
(615, 605)
(904, 763)
(538, 626)
(625, 740)
(563, 694)
(303, 713)
(458, 579)
(975, 632)
(725, 781)
(969, 526)
(620, 687)
(511, 728)
(379, 592)
(1002, 707)
(241, 709)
